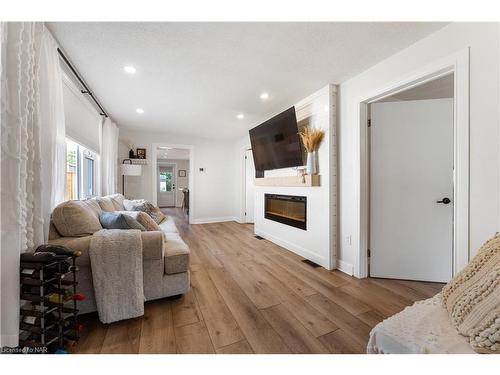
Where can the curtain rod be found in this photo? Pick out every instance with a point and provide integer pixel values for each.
(87, 90)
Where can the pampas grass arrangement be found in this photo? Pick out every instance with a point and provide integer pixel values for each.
(312, 138)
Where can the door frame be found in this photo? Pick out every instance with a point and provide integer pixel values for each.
(458, 64)
(174, 171)
(243, 191)
(154, 170)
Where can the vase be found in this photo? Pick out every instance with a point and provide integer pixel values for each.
(311, 166)
(131, 154)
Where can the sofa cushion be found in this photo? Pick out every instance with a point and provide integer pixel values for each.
(168, 225)
(53, 233)
(115, 220)
(106, 204)
(152, 246)
(176, 254)
(117, 200)
(472, 299)
(77, 218)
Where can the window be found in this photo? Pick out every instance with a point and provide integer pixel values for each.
(165, 182)
(80, 171)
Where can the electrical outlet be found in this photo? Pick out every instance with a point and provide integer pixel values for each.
(348, 239)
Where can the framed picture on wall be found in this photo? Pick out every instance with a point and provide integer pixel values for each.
(141, 153)
(182, 173)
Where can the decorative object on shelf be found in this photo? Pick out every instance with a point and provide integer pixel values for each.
(129, 169)
(131, 153)
(301, 172)
(312, 138)
(182, 173)
(141, 153)
(139, 161)
(49, 316)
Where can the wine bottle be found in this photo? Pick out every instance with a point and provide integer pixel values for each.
(37, 321)
(58, 250)
(47, 289)
(58, 298)
(63, 267)
(48, 273)
(40, 257)
(66, 267)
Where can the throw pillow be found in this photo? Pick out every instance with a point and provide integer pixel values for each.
(113, 220)
(472, 299)
(151, 210)
(143, 218)
(147, 221)
(106, 204)
(129, 204)
(117, 200)
(77, 218)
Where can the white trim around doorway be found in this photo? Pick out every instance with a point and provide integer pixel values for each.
(458, 64)
(154, 171)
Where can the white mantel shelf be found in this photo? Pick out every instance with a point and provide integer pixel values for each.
(137, 161)
(307, 181)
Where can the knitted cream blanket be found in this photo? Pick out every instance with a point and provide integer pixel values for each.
(116, 263)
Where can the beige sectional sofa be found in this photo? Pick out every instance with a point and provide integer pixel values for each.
(165, 255)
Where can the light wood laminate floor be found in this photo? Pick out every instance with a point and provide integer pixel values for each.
(252, 296)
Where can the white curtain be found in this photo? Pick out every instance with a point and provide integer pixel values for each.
(53, 135)
(29, 117)
(109, 157)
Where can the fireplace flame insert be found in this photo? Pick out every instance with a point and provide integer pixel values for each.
(286, 209)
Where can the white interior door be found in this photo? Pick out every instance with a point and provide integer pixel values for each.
(411, 169)
(249, 187)
(166, 186)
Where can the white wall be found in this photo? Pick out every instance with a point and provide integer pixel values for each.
(180, 182)
(483, 40)
(318, 242)
(215, 189)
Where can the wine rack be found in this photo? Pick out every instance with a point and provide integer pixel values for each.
(49, 299)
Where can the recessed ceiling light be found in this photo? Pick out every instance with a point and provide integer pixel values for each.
(264, 96)
(140, 111)
(240, 116)
(129, 69)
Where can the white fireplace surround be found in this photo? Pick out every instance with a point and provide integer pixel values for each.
(318, 242)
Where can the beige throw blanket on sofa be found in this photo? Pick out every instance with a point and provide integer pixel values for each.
(116, 263)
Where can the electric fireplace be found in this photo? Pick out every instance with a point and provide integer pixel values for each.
(286, 209)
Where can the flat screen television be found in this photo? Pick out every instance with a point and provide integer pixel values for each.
(276, 143)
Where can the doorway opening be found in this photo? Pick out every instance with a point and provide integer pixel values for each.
(172, 179)
(411, 162)
(456, 65)
(249, 184)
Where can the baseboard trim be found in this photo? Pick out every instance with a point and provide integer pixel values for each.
(345, 267)
(209, 220)
(294, 248)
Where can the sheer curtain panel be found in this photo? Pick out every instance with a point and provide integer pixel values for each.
(30, 132)
(109, 157)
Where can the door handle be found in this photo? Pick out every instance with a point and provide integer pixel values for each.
(444, 201)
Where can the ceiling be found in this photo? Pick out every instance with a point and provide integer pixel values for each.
(440, 88)
(195, 78)
(172, 153)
